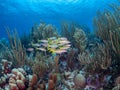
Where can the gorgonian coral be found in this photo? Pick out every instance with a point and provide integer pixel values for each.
(107, 26)
(16, 51)
(95, 61)
(40, 66)
(43, 31)
(80, 39)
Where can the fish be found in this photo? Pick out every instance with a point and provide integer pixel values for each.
(59, 51)
(51, 49)
(53, 46)
(41, 49)
(52, 38)
(43, 41)
(68, 45)
(64, 47)
(45, 45)
(60, 44)
(30, 49)
(36, 45)
(62, 38)
(64, 42)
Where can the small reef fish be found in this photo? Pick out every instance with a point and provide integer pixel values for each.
(53, 46)
(60, 44)
(68, 45)
(43, 41)
(64, 42)
(30, 49)
(65, 47)
(51, 49)
(36, 45)
(41, 49)
(52, 38)
(63, 38)
(60, 51)
(45, 45)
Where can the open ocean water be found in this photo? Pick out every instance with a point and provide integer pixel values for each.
(23, 14)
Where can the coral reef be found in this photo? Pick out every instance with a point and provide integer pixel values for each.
(18, 79)
(70, 61)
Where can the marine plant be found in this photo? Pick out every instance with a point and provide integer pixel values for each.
(25, 39)
(107, 26)
(40, 65)
(96, 65)
(76, 34)
(43, 31)
(67, 30)
(3, 41)
(115, 41)
(80, 39)
(95, 61)
(16, 51)
(72, 62)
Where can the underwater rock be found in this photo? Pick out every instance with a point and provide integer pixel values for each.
(27, 69)
(17, 79)
(13, 86)
(67, 74)
(79, 80)
(22, 71)
(90, 87)
(117, 81)
(116, 87)
(6, 66)
(20, 84)
(33, 80)
(51, 85)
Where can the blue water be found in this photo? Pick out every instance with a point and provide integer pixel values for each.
(22, 14)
